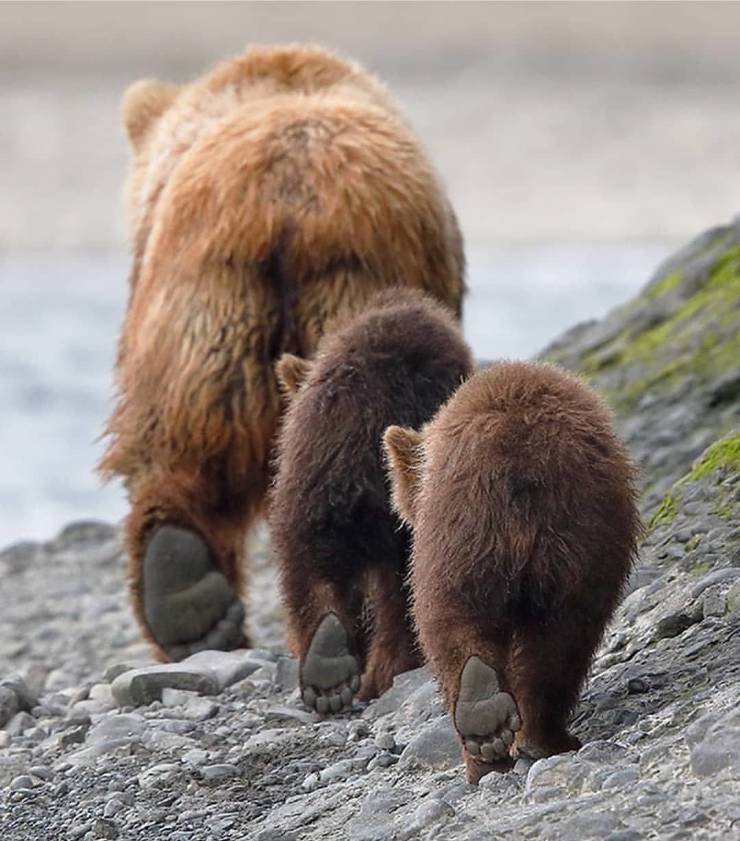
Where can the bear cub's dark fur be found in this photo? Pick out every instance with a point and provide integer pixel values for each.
(342, 551)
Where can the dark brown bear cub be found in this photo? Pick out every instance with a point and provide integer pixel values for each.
(342, 551)
(522, 502)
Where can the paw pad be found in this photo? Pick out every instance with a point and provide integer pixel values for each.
(330, 675)
(189, 605)
(485, 717)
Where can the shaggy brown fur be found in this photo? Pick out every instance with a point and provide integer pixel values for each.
(338, 543)
(522, 501)
(277, 191)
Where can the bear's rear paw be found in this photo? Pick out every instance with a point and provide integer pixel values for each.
(485, 718)
(330, 675)
(188, 604)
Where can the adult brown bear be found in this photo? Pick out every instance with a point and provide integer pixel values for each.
(525, 524)
(278, 190)
(342, 551)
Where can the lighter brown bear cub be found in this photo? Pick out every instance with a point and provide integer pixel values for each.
(523, 506)
(280, 189)
(342, 552)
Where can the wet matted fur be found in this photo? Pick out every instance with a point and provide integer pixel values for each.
(340, 547)
(280, 189)
(523, 506)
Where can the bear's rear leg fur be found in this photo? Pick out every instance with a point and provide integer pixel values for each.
(188, 604)
(485, 717)
(330, 674)
(549, 666)
(393, 648)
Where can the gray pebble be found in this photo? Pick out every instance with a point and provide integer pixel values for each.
(112, 672)
(20, 722)
(382, 760)
(716, 577)
(286, 673)
(430, 811)
(142, 686)
(225, 667)
(158, 774)
(124, 726)
(311, 782)
(714, 602)
(9, 705)
(714, 742)
(216, 773)
(436, 746)
(385, 741)
(103, 828)
(42, 772)
(113, 807)
(22, 781)
(673, 625)
(338, 771)
(637, 686)
(195, 757)
(522, 765)
(623, 777)
(357, 730)
(26, 698)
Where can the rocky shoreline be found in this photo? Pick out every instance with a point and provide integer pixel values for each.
(96, 742)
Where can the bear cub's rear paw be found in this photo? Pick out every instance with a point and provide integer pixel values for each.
(330, 675)
(189, 605)
(485, 718)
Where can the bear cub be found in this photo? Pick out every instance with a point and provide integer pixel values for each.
(523, 507)
(342, 552)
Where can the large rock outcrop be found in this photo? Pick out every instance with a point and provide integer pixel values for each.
(668, 361)
(98, 743)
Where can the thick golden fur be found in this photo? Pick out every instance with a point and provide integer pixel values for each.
(277, 191)
(523, 506)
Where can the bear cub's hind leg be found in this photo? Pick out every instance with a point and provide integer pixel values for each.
(188, 604)
(485, 718)
(392, 646)
(330, 674)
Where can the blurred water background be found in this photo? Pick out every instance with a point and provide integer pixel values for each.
(580, 143)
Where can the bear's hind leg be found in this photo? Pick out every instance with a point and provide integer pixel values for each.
(486, 717)
(471, 660)
(184, 568)
(393, 648)
(549, 665)
(325, 630)
(329, 672)
(188, 604)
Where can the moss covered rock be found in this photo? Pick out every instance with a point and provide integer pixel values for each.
(668, 361)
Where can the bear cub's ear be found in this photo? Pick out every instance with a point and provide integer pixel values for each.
(404, 451)
(291, 371)
(143, 104)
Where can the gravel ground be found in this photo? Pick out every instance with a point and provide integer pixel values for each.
(97, 742)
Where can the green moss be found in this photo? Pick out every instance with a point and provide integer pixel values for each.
(666, 512)
(670, 281)
(726, 511)
(724, 453)
(662, 356)
(699, 568)
(600, 360)
(692, 543)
